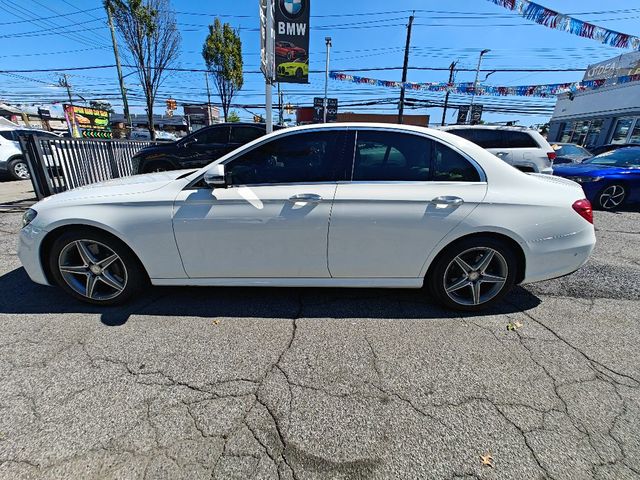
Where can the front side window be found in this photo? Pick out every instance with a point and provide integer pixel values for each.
(309, 157)
(7, 134)
(212, 135)
(391, 156)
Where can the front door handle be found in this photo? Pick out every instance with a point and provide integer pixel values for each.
(502, 154)
(447, 201)
(306, 198)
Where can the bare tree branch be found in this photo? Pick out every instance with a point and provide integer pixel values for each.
(148, 28)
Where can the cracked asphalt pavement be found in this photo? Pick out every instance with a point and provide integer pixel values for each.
(223, 383)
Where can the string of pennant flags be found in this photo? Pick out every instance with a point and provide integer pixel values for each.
(559, 21)
(544, 91)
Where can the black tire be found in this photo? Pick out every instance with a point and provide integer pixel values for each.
(446, 271)
(18, 170)
(127, 270)
(289, 56)
(298, 73)
(611, 197)
(157, 166)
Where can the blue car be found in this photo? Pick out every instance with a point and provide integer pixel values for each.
(609, 179)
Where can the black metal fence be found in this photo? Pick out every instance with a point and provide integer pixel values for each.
(59, 164)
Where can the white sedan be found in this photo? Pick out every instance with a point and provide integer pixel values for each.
(337, 205)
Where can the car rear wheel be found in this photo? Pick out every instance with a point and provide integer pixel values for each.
(473, 274)
(95, 267)
(611, 197)
(18, 169)
(299, 73)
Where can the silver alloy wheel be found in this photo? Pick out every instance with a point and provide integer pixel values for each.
(475, 276)
(612, 197)
(92, 269)
(21, 170)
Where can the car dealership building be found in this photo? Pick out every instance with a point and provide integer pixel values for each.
(609, 114)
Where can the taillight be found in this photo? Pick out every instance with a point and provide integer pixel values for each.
(583, 207)
(552, 156)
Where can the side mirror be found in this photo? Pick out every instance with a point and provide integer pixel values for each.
(215, 177)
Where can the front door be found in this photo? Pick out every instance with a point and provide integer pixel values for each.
(407, 193)
(273, 219)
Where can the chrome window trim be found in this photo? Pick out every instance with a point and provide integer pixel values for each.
(479, 169)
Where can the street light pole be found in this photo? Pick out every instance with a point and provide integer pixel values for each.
(475, 83)
(270, 65)
(325, 102)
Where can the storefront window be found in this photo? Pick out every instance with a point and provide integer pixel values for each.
(580, 133)
(566, 131)
(635, 135)
(594, 132)
(622, 130)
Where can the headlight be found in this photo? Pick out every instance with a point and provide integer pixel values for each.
(586, 179)
(28, 217)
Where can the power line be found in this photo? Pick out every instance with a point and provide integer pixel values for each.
(50, 16)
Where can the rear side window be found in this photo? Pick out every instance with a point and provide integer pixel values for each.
(489, 138)
(391, 156)
(244, 135)
(7, 134)
(518, 140)
(450, 166)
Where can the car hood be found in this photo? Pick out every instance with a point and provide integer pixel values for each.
(125, 186)
(585, 169)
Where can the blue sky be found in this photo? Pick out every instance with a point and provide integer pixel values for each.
(366, 33)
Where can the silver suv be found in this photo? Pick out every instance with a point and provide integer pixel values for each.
(523, 148)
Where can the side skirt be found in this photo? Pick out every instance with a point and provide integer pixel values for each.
(293, 282)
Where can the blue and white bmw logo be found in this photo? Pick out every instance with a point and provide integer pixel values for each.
(292, 8)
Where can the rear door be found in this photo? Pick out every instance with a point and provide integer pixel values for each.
(407, 192)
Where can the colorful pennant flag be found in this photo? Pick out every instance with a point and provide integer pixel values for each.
(558, 21)
(546, 90)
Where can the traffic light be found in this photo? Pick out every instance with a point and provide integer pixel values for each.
(171, 104)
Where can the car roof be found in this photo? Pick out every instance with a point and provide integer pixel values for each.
(512, 128)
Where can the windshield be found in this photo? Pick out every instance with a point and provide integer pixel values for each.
(562, 150)
(624, 157)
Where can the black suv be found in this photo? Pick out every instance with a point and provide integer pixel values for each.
(198, 149)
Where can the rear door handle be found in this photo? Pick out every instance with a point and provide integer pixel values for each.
(447, 201)
(306, 197)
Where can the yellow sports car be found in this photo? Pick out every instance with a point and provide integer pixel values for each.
(298, 68)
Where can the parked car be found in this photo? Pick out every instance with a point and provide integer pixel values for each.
(335, 205)
(612, 146)
(197, 149)
(12, 162)
(523, 148)
(569, 153)
(298, 68)
(289, 51)
(610, 179)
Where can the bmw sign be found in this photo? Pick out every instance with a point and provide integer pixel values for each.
(291, 24)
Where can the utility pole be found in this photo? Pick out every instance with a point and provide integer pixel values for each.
(73, 128)
(206, 79)
(475, 83)
(325, 101)
(270, 65)
(404, 69)
(123, 90)
(280, 118)
(446, 97)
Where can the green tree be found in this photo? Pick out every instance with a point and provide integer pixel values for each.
(148, 28)
(233, 116)
(222, 53)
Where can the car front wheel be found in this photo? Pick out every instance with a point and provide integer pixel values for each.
(473, 274)
(95, 267)
(611, 197)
